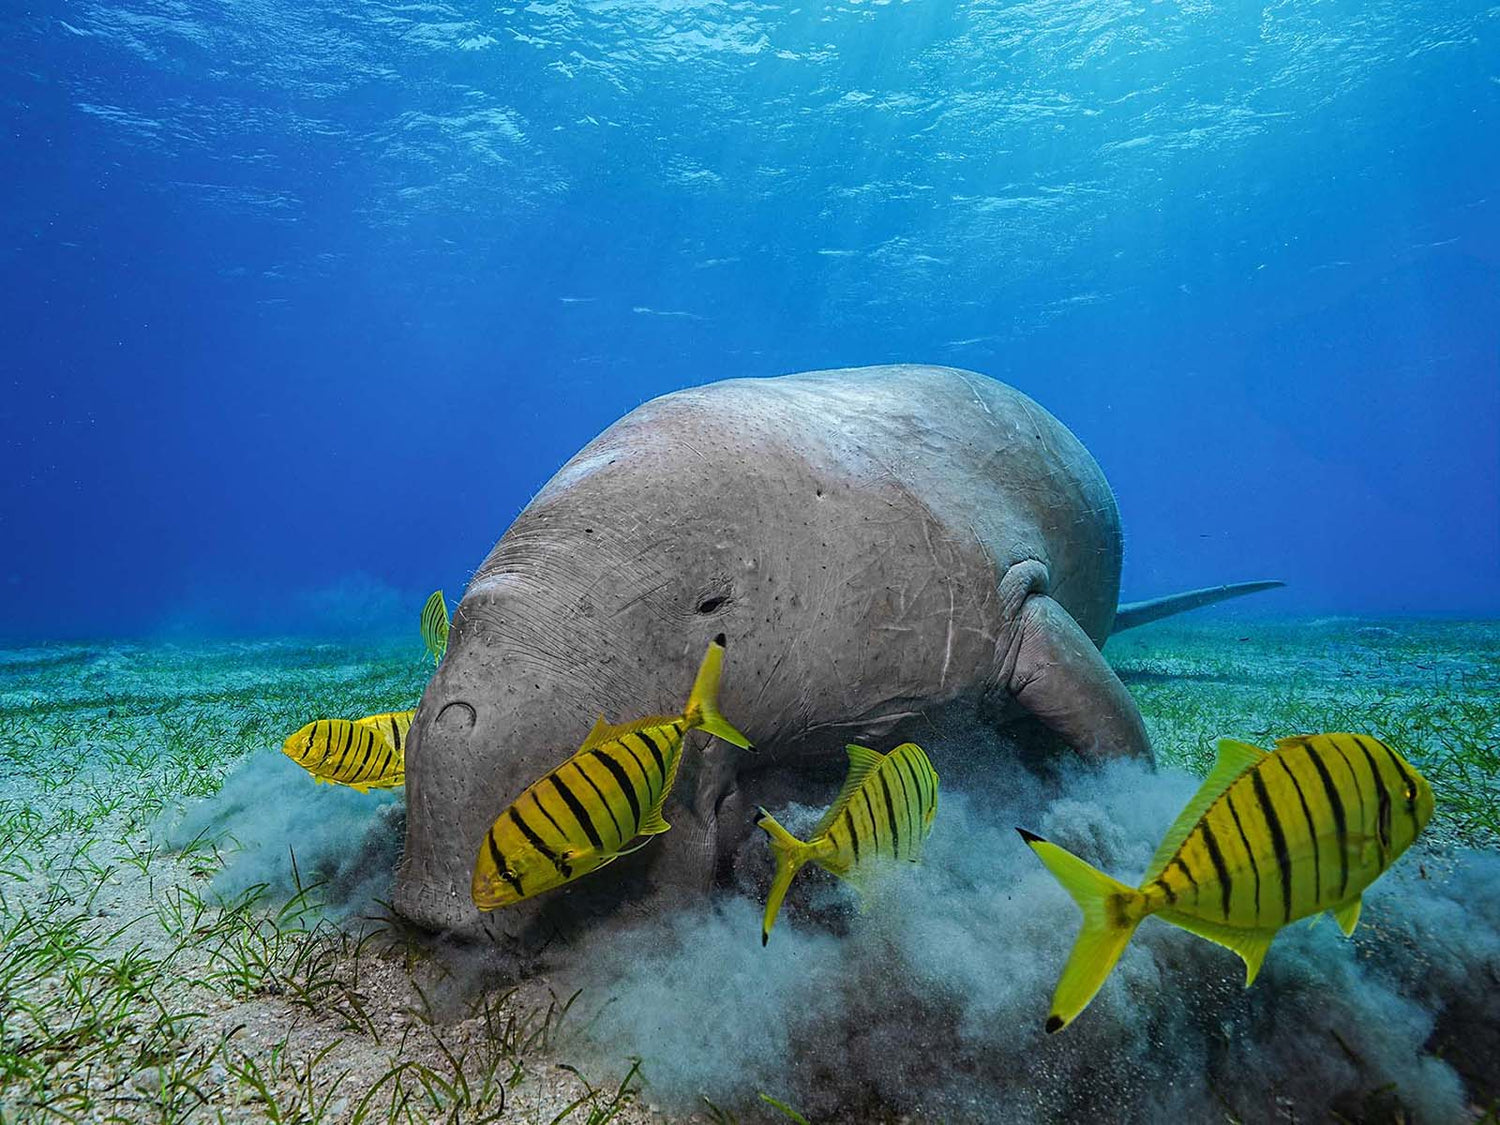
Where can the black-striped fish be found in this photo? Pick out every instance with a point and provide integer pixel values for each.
(579, 817)
(884, 811)
(365, 754)
(435, 626)
(1268, 839)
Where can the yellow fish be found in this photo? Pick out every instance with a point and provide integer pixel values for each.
(435, 626)
(580, 816)
(365, 754)
(1269, 838)
(884, 811)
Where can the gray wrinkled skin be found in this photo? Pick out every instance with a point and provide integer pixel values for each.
(878, 544)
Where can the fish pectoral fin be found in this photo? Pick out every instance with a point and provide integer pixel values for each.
(1251, 945)
(1347, 916)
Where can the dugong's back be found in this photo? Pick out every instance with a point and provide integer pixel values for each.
(849, 529)
(988, 463)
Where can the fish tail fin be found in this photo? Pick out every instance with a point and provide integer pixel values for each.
(790, 854)
(703, 704)
(1111, 912)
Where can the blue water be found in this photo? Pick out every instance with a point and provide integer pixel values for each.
(302, 303)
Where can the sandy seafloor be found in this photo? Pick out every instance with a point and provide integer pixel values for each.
(153, 971)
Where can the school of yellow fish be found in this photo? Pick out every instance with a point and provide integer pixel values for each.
(1269, 838)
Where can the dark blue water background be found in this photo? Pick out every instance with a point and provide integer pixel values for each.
(302, 302)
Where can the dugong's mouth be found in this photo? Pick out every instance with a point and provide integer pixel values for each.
(462, 760)
(432, 903)
(432, 882)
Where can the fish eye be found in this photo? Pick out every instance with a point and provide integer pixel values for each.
(1411, 791)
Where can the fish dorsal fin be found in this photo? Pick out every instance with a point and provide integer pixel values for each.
(862, 763)
(1251, 945)
(1234, 759)
(1291, 740)
(402, 719)
(596, 734)
(1347, 916)
(603, 732)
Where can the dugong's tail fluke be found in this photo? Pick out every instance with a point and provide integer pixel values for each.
(1131, 614)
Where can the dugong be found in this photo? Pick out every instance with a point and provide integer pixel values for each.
(877, 545)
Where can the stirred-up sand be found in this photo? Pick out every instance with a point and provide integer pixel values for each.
(190, 930)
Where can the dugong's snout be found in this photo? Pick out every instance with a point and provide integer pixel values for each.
(432, 884)
(478, 739)
(475, 759)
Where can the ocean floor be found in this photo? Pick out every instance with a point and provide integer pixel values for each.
(191, 931)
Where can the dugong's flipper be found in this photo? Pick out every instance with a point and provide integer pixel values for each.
(1053, 669)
